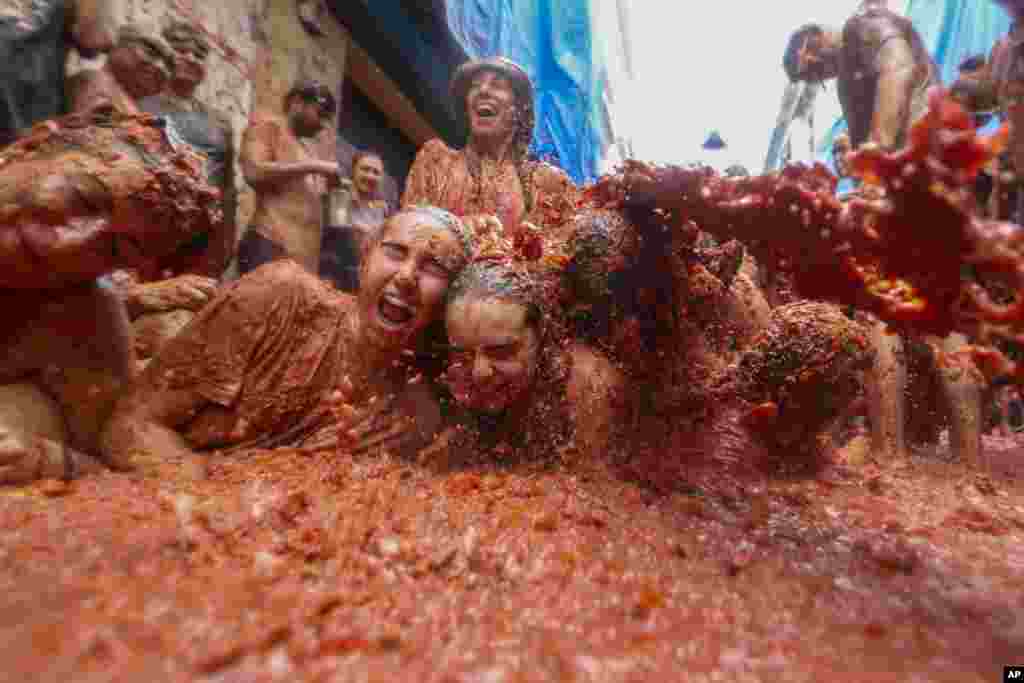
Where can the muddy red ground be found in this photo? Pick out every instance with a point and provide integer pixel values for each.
(285, 567)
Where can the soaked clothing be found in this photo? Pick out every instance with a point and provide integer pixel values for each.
(441, 176)
(864, 37)
(264, 356)
(33, 49)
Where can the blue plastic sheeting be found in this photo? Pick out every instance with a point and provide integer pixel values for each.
(553, 41)
(952, 30)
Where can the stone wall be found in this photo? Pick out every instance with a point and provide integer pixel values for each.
(260, 47)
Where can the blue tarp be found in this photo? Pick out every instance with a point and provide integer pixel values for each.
(553, 41)
(956, 29)
(952, 30)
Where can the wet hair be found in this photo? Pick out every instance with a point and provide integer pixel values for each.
(525, 119)
(464, 236)
(791, 58)
(312, 91)
(184, 36)
(613, 257)
(502, 281)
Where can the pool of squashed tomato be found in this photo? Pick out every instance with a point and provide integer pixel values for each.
(285, 566)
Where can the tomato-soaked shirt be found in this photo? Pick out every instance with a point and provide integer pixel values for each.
(441, 177)
(262, 360)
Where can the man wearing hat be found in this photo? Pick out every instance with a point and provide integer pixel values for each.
(288, 180)
(491, 177)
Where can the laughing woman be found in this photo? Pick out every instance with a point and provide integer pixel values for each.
(492, 177)
(268, 362)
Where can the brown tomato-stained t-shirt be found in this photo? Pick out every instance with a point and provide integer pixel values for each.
(267, 359)
(440, 177)
(262, 356)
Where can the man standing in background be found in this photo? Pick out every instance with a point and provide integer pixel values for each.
(882, 68)
(289, 181)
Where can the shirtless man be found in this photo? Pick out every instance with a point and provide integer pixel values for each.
(139, 66)
(882, 68)
(280, 358)
(884, 73)
(35, 38)
(289, 181)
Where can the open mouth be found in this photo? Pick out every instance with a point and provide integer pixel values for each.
(394, 311)
(486, 111)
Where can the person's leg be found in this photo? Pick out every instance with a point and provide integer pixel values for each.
(927, 410)
(78, 348)
(90, 373)
(885, 384)
(962, 386)
(34, 439)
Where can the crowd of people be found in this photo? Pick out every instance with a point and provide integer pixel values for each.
(500, 312)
